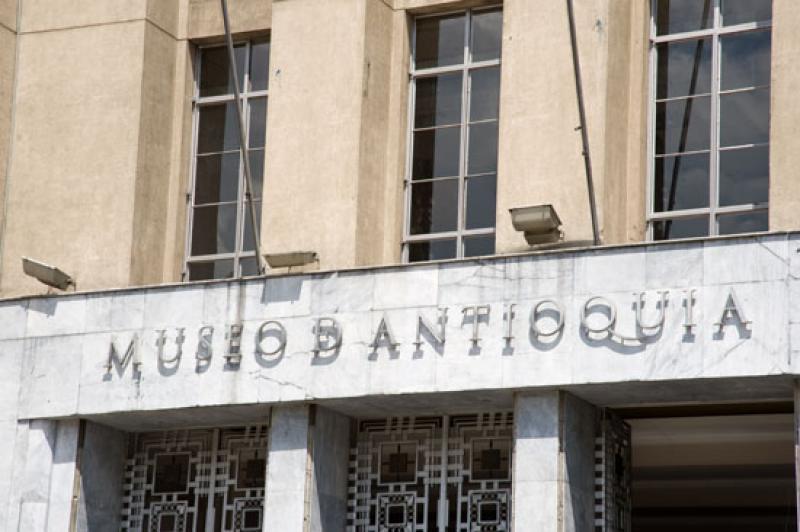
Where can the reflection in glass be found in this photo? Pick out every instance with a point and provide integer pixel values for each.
(745, 60)
(484, 97)
(481, 201)
(434, 250)
(249, 242)
(258, 122)
(436, 153)
(681, 182)
(214, 229)
(439, 41)
(677, 16)
(487, 30)
(741, 11)
(478, 246)
(257, 171)
(748, 222)
(259, 66)
(248, 266)
(482, 148)
(215, 269)
(215, 74)
(684, 68)
(683, 125)
(216, 178)
(680, 228)
(434, 206)
(744, 118)
(744, 176)
(438, 101)
(218, 129)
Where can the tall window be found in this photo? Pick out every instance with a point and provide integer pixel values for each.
(220, 242)
(711, 115)
(452, 175)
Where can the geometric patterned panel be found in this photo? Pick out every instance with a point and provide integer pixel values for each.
(421, 474)
(183, 481)
(612, 475)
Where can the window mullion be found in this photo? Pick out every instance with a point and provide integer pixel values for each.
(462, 163)
(714, 123)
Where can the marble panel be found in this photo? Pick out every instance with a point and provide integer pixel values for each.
(349, 291)
(610, 270)
(673, 266)
(10, 373)
(13, 319)
(745, 260)
(539, 276)
(412, 287)
(51, 316)
(174, 307)
(278, 297)
(536, 446)
(8, 436)
(62, 476)
(108, 312)
(51, 369)
(284, 506)
(535, 505)
(464, 283)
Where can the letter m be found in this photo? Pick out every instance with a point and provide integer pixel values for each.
(122, 357)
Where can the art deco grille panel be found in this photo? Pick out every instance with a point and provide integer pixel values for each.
(613, 476)
(195, 480)
(432, 474)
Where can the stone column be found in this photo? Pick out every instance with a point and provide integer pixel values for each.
(307, 470)
(553, 463)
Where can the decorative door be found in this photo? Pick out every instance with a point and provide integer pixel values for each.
(209, 480)
(613, 475)
(432, 474)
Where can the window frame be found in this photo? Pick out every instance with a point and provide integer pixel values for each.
(715, 32)
(246, 95)
(465, 67)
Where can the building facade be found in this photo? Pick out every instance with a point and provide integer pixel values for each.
(407, 361)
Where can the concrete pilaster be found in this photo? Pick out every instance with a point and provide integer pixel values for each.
(307, 470)
(553, 463)
(101, 475)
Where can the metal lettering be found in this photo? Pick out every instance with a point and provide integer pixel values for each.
(536, 311)
(162, 340)
(204, 336)
(688, 316)
(612, 317)
(234, 335)
(422, 321)
(330, 333)
(131, 354)
(639, 303)
(733, 309)
(384, 332)
(477, 311)
(262, 330)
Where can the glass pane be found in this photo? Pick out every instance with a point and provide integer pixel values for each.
(681, 182)
(683, 125)
(748, 222)
(217, 178)
(484, 96)
(249, 242)
(214, 229)
(259, 66)
(477, 246)
(487, 33)
(215, 75)
(676, 16)
(744, 176)
(434, 206)
(482, 148)
(248, 266)
(481, 202)
(436, 153)
(436, 250)
(440, 41)
(744, 118)
(438, 101)
(217, 269)
(684, 68)
(739, 11)
(258, 122)
(257, 171)
(681, 228)
(218, 129)
(745, 60)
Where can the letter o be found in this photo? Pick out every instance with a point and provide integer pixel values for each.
(612, 318)
(260, 338)
(535, 315)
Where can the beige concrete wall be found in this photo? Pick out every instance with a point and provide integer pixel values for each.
(784, 190)
(314, 129)
(205, 18)
(8, 50)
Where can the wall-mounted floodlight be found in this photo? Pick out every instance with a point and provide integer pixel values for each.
(539, 223)
(49, 275)
(291, 259)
